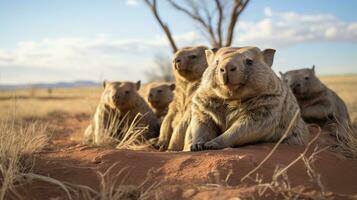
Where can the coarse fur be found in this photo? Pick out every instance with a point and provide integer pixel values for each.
(120, 100)
(318, 103)
(158, 95)
(240, 100)
(188, 66)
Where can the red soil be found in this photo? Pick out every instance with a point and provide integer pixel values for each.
(182, 175)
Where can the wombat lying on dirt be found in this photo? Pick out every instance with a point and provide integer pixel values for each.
(188, 65)
(120, 101)
(318, 103)
(240, 100)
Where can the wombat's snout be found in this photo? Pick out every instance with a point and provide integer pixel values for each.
(296, 87)
(180, 65)
(151, 97)
(116, 97)
(228, 72)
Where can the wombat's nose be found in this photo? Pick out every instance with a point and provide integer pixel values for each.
(297, 85)
(115, 97)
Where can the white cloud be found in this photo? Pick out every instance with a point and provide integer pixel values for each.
(132, 2)
(290, 28)
(83, 58)
(54, 59)
(268, 11)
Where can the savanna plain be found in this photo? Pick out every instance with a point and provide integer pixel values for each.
(43, 157)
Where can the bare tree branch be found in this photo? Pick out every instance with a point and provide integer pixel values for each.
(195, 15)
(153, 7)
(237, 9)
(219, 22)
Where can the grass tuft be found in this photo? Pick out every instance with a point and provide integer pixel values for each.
(18, 143)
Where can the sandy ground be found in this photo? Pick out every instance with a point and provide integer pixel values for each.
(181, 175)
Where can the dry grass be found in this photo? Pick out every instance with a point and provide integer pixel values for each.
(72, 101)
(121, 133)
(18, 142)
(348, 143)
(346, 88)
(280, 185)
(84, 100)
(109, 187)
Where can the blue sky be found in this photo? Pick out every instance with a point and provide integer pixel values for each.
(49, 41)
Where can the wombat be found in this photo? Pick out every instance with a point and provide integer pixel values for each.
(158, 95)
(240, 100)
(318, 103)
(120, 101)
(188, 66)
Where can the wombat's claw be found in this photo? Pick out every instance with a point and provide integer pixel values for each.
(161, 146)
(210, 146)
(197, 147)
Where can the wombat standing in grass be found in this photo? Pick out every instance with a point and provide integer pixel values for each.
(318, 103)
(159, 96)
(120, 101)
(240, 100)
(188, 65)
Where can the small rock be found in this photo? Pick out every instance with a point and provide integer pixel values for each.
(97, 160)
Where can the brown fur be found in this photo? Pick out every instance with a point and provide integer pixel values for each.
(119, 100)
(240, 100)
(188, 65)
(318, 103)
(158, 95)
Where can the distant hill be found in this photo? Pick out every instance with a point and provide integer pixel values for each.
(49, 85)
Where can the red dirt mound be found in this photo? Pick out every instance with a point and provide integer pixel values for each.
(190, 175)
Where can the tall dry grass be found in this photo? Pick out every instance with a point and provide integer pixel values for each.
(18, 143)
(110, 188)
(120, 132)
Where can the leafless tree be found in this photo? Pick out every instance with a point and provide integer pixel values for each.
(217, 19)
(162, 70)
(153, 6)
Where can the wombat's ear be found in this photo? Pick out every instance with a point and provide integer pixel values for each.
(269, 56)
(281, 74)
(313, 69)
(172, 86)
(138, 85)
(209, 55)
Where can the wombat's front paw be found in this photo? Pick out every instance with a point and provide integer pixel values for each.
(211, 146)
(161, 145)
(197, 147)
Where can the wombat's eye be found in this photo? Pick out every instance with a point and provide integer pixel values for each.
(307, 78)
(192, 56)
(159, 91)
(127, 92)
(249, 62)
